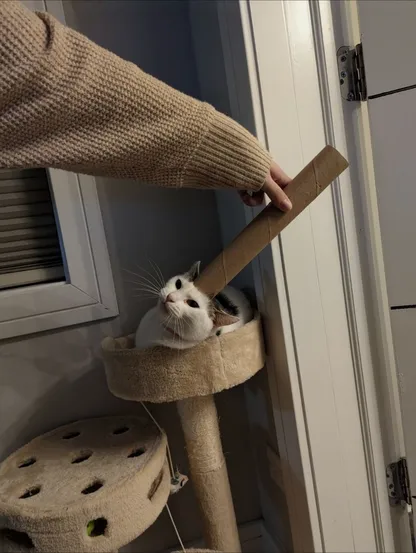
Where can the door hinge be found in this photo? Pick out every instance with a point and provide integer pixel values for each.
(351, 72)
(398, 484)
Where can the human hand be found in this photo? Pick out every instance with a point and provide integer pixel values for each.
(276, 180)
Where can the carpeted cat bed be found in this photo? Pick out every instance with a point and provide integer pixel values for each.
(161, 374)
(90, 486)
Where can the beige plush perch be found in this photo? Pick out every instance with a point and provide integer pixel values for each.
(192, 376)
(88, 487)
(161, 374)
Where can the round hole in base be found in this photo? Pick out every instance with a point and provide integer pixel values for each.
(70, 435)
(96, 527)
(27, 462)
(30, 492)
(18, 538)
(136, 453)
(121, 430)
(83, 456)
(95, 486)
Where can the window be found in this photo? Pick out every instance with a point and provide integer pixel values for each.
(54, 265)
(30, 252)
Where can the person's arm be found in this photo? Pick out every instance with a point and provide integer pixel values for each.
(67, 103)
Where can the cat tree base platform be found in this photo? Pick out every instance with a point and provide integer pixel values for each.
(88, 487)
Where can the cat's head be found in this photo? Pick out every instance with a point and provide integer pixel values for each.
(187, 312)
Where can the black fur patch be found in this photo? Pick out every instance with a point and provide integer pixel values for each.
(227, 305)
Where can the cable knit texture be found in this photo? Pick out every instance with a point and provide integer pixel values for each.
(67, 103)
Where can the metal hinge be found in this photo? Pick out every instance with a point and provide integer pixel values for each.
(352, 73)
(398, 484)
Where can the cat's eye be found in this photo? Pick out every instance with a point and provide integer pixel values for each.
(193, 303)
(178, 284)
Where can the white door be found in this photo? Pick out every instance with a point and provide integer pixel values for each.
(387, 154)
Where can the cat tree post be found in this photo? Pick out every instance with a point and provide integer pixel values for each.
(191, 377)
(209, 472)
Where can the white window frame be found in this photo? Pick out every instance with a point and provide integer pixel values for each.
(88, 292)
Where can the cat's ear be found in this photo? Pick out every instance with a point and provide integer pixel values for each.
(221, 318)
(193, 272)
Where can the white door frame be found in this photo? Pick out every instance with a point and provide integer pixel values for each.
(332, 443)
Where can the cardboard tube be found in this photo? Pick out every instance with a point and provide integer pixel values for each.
(304, 188)
(209, 472)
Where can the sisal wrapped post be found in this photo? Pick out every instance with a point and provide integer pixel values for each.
(209, 472)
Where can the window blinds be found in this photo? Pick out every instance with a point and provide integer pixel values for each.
(30, 251)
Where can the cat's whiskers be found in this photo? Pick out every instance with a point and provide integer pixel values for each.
(174, 310)
(153, 278)
(168, 320)
(150, 282)
(158, 273)
(146, 270)
(154, 293)
(168, 324)
(146, 290)
(141, 283)
(177, 333)
(181, 328)
(144, 284)
(187, 322)
(176, 337)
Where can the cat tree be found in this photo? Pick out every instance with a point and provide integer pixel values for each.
(41, 500)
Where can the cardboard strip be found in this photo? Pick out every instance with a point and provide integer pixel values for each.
(303, 189)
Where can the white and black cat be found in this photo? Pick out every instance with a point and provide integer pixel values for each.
(184, 316)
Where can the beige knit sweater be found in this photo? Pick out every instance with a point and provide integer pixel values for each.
(69, 104)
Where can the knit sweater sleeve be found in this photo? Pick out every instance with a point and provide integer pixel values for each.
(69, 104)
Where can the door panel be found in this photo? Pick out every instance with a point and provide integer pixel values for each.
(393, 131)
(389, 43)
(404, 336)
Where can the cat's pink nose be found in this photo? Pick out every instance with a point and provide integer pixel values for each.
(170, 298)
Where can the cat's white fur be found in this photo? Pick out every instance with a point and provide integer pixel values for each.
(175, 323)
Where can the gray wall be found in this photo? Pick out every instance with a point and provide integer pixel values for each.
(51, 379)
